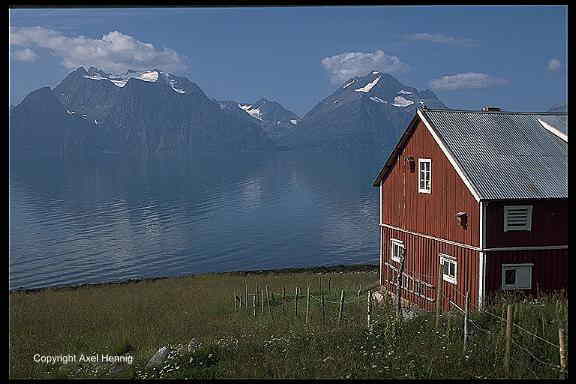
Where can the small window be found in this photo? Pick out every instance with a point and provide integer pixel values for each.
(424, 175)
(517, 276)
(449, 268)
(396, 250)
(517, 218)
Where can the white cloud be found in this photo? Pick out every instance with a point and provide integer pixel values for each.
(554, 65)
(441, 39)
(114, 52)
(465, 81)
(349, 64)
(25, 55)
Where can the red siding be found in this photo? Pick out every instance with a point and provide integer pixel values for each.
(550, 270)
(549, 225)
(435, 213)
(422, 257)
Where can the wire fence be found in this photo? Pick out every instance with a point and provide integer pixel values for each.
(351, 298)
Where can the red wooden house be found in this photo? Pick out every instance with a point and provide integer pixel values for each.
(482, 193)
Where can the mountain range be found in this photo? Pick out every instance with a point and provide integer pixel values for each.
(151, 111)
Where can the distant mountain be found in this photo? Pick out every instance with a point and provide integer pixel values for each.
(141, 111)
(366, 111)
(41, 125)
(274, 119)
(559, 108)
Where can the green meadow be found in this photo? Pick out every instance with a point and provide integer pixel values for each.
(210, 336)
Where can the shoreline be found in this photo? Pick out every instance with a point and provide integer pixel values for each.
(338, 268)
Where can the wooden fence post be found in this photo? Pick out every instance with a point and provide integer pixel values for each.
(399, 287)
(268, 300)
(254, 303)
(235, 305)
(341, 307)
(329, 285)
(262, 300)
(323, 310)
(283, 299)
(246, 296)
(439, 286)
(369, 310)
(508, 339)
(307, 302)
(296, 302)
(562, 353)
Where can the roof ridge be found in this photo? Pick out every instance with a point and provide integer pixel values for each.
(493, 112)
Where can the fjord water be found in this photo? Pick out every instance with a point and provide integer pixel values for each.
(115, 218)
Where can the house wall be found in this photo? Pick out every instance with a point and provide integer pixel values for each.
(549, 224)
(422, 257)
(435, 213)
(550, 270)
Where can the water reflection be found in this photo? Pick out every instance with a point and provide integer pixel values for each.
(111, 219)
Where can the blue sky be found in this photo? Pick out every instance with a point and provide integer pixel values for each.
(513, 57)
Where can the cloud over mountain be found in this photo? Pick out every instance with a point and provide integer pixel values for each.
(465, 81)
(351, 64)
(114, 52)
(25, 54)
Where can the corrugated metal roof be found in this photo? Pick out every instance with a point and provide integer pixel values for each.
(506, 155)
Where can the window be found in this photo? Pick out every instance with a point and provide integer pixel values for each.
(396, 250)
(424, 175)
(517, 276)
(449, 268)
(517, 218)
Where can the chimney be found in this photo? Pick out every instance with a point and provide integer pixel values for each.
(490, 109)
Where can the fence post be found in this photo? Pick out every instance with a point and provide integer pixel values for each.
(562, 353)
(246, 295)
(341, 307)
(296, 302)
(283, 299)
(235, 305)
(262, 300)
(465, 322)
(323, 311)
(369, 310)
(254, 303)
(439, 286)
(268, 300)
(307, 302)
(329, 285)
(399, 287)
(508, 339)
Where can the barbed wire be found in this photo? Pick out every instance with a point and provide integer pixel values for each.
(525, 330)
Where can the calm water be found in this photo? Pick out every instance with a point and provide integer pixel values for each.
(114, 219)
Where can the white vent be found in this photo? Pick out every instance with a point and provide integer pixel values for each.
(517, 218)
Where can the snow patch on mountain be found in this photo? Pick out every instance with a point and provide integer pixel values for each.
(368, 86)
(151, 76)
(378, 100)
(254, 112)
(405, 92)
(294, 122)
(349, 83)
(400, 101)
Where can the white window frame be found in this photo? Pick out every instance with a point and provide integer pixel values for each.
(450, 259)
(420, 189)
(393, 243)
(506, 267)
(527, 227)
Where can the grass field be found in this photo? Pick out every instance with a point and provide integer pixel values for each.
(196, 318)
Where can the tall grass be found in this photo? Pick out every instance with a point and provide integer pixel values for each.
(195, 317)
